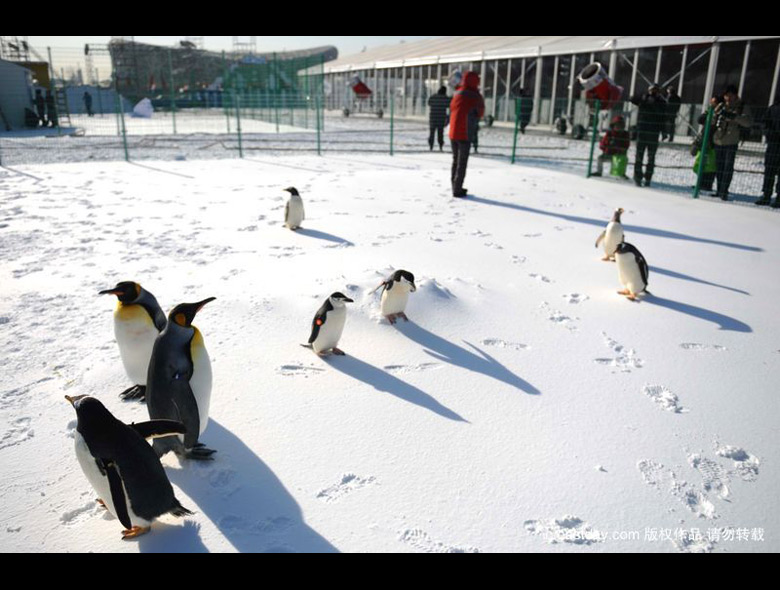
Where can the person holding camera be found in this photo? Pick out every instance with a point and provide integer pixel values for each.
(728, 117)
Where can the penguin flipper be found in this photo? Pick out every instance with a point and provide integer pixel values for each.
(287, 212)
(601, 238)
(319, 319)
(159, 428)
(187, 409)
(117, 493)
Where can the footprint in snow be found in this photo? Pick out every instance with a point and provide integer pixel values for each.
(664, 398)
(569, 529)
(421, 541)
(348, 484)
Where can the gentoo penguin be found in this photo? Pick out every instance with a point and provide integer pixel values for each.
(178, 386)
(126, 474)
(632, 270)
(395, 295)
(138, 319)
(293, 211)
(328, 324)
(612, 236)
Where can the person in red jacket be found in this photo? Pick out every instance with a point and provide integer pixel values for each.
(615, 142)
(466, 109)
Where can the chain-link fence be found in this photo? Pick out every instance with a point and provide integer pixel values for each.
(139, 103)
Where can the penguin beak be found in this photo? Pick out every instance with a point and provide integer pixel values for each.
(110, 292)
(201, 304)
(348, 300)
(73, 400)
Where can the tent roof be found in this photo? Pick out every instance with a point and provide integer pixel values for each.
(459, 49)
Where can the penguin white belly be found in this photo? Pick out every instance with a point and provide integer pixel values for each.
(201, 380)
(394, 301)
(613, 238)
(295, 213)
(629, 273)
(330, 332)
(135, 334)
(100, 482)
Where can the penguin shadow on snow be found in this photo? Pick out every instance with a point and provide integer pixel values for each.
(321, 235)
(725, 322)
(478, 361)
(383, 381)
(244, 499)
(629, 229)
(684, 277)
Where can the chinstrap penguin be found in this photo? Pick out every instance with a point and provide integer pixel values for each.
(328, 324)
(395, 295)
(138, 319)
(121, 466)
(178, 386)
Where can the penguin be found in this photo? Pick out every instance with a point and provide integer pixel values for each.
(632, 270)
(612, 236)
(138, 319)
(293, 211)
(178, 385)
(121, 466)
(395, 295)
(328, 324)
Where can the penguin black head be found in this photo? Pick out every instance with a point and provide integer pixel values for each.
(92, 415)
(626, 248)
(184, 313)
(404, 276)
(341, 297)
(617, 214)
(126, 291)
(293, 191)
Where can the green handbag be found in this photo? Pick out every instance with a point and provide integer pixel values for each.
(619, 165)
(710, 164)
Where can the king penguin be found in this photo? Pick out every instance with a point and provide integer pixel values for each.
(293, 211)
(612, 236)
(632, 270)
(395, 295)
(178, 386)
(121, 466)
(328, 324)
(138, 319)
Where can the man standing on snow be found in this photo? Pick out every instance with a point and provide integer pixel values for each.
(437, 118)
(466, 109)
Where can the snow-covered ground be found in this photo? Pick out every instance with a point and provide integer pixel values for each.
(526, 406)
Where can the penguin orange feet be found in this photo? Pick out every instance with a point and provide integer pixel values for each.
(136, 531)
(391, 318)
(632, 297)
(403, 315)
(625, 292)
(339, 352)
(103, 504)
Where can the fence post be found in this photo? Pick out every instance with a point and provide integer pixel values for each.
(124, 128)
(173, 90)
(392, 120)
(237, 101)
(317, 107)
(225, 106)
(705, 142)
(518, 108)
(594, 135)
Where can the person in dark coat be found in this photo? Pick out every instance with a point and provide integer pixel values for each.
(51, 110)
(772, 157)
(88, 104)
(526, 109)
(728, 119)
(650, 124)
(466, 109)
(673, 103)
(438, 105)
(40, 107)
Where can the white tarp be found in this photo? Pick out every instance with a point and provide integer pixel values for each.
(143, 109)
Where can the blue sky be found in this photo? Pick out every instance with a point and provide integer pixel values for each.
(345, 45)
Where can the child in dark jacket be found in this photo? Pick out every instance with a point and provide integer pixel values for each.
(615, 142)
